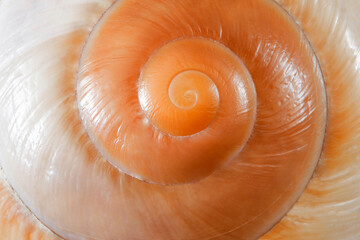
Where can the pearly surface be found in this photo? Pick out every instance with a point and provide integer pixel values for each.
(49, 61)
(330, 206)
(49, 50)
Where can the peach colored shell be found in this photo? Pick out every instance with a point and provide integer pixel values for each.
(179, 119)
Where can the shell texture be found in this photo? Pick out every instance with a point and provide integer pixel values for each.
(221, 119)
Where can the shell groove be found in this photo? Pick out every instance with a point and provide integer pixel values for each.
(44, 140)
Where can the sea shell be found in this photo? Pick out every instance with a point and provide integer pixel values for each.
(221, 119)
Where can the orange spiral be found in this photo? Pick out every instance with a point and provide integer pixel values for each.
(168, 119)
(171, 95)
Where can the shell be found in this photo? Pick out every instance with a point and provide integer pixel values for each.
(93, 110)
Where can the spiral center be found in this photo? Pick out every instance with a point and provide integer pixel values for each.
(189, 86)
(177, 101)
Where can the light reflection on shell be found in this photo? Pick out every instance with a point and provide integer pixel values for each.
(61, 179)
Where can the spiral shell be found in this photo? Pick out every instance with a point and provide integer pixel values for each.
(178, 120)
